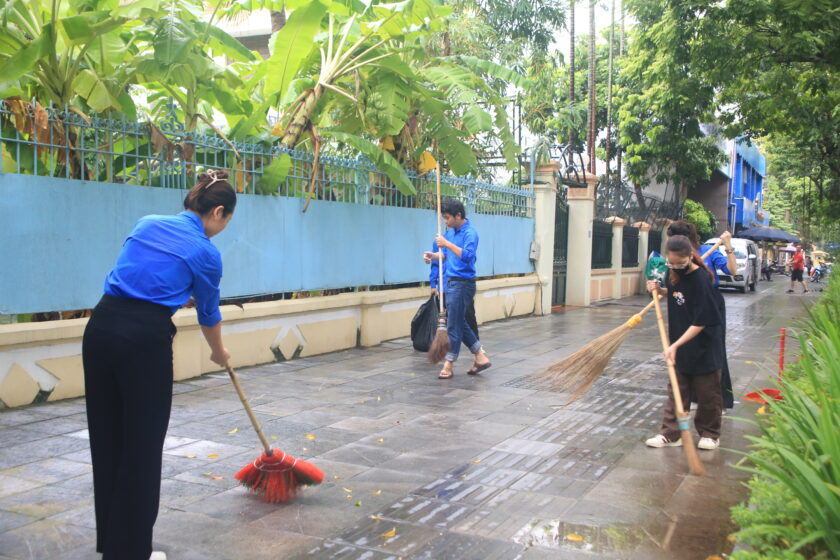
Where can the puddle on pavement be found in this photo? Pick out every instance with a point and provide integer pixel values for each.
(559, 535)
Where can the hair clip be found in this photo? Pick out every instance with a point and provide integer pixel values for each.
(213, 174)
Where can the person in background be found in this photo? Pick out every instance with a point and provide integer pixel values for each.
(714, 262)
(458, 245)
(127, 358)
(695, 351)
(797, 269)
(809, 264)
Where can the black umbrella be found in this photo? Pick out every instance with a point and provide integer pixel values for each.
(759, 233)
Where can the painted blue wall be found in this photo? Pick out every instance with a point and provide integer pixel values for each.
(59, 239)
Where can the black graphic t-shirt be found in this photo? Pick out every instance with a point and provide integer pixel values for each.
(691, 303)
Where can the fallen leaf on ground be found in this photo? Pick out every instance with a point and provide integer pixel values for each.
(190, 456)
(213, 456)
(213, 476)
(349, 496)
(747, 362)
(347, 490)
(233, 431)
(574, 537)
(390, 533)
(377, 492)
(714, 557)
(380, 440)
(476, 460)
(310, 436)
(273, 437)
(375, 517)
(306, 449)
(378, 398)
(358, 504)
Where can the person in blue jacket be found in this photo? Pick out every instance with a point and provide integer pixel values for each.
(434, 278)
(714, 262)
(165, 262)
(458, 246)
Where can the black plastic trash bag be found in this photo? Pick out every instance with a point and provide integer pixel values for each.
(424, 324)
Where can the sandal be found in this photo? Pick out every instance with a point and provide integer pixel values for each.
(445, 374)
(476, 369)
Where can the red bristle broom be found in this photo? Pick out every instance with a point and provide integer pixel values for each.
(275, 475)
(440, 345)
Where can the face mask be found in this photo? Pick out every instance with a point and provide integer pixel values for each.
(681, 271)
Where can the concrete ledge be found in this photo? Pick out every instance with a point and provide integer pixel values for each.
(46, 357)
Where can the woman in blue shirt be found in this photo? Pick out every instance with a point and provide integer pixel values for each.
(127, 354)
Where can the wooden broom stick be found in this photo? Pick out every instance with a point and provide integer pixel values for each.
(695, 466)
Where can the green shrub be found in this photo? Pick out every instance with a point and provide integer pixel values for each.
(794, 506)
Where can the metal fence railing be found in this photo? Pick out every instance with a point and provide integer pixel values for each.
(630, 247)
(602, 235)
(65, 143)
(616, 198)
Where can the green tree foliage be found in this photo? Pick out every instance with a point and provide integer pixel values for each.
(665, 102)
(695, 213)
(777, 67)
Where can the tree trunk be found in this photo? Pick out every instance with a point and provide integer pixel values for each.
(571, 67)
(620, 54)
(301, 118)
(278, 20)
(609, 88)
(592, 103)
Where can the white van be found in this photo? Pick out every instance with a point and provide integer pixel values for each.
(749, 269)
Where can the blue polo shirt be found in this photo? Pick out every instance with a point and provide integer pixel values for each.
(453, 267)
(716, 261)
(164, 260)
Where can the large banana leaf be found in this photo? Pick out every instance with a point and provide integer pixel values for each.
(491, 68)
(291, 46)
(382, 159)
(172, 41)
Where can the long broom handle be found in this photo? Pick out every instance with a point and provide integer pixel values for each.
(672, 372)
(254, 422)
(440, 249)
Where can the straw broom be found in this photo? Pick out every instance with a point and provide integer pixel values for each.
(577, 372)
(695, 466)
(440, 345)
(275, 475)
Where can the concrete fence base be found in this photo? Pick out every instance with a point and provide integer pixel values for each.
(43, 360)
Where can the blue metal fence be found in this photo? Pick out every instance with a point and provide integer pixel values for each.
(46, 141)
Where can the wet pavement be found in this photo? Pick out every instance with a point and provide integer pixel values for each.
(487, 467)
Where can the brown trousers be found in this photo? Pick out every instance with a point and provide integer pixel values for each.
(707, 419)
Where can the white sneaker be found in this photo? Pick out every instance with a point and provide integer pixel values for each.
(661, 441)
(157, 555)
(708, 443)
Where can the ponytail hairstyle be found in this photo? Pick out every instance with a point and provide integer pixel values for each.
(686, 229)
(210, 191)
(680, 245)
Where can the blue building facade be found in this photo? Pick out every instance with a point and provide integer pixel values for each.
(747, 172)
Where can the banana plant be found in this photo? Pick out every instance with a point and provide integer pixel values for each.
(71, 53)
(369, 77)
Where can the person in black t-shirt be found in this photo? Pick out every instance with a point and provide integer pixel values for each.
(694, 323)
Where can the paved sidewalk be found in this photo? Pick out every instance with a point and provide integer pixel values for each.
(488, 467)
